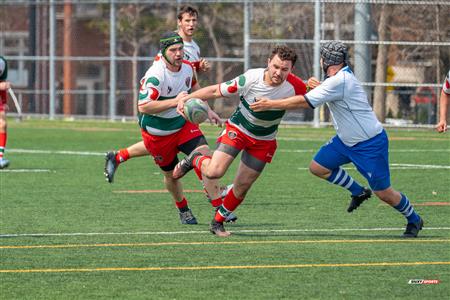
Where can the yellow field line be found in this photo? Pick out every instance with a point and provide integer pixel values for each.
(416, 241)
(199, 268)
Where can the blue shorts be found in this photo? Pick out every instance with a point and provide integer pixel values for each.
(370, 157)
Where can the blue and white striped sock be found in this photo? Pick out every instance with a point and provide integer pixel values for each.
(340, 177)
(406, 209)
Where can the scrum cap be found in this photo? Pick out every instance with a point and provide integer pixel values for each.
(333, 53)
(168, 39)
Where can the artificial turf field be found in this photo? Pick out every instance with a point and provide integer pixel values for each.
(65, 233)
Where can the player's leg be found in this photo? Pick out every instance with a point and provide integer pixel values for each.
(115, 158)
(175, 188)
(249, 170)
(327, 163)
(164, 152)
(3, 137)
(372, 160)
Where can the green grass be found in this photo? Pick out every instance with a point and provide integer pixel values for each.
(282, 245)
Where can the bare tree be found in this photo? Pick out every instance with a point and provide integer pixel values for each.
(379, 99)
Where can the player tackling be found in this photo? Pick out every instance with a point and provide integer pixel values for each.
(360, 137)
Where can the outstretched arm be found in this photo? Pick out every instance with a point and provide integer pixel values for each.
(262, 104)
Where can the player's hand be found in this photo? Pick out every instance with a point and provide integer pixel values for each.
(204, 65)
(261, 104)
(313, 82)
(4, 85)
(180, 99)
(441, 126)
(214, 118)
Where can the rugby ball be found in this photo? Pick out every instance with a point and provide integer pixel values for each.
(196, 110)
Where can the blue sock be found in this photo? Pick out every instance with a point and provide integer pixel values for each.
(340, 177)
(406, 209)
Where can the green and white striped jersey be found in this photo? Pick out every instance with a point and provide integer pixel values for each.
(159, 84)
(251, 85)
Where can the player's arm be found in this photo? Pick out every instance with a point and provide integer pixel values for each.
(443, 108)
(294, 102)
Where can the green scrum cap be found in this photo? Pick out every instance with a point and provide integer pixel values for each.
(168, 39)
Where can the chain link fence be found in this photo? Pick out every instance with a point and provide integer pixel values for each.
(85, 58)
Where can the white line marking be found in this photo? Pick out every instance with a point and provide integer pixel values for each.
(57, 152)
(26, 171)
(390, 150)
(207, 232)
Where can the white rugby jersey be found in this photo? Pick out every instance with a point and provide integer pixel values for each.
(353, 117)
(446, 86)
(191, 51)
(159, 84)
(250, 85)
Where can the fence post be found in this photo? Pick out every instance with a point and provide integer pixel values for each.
(317, 38)
(246, 36)
(51, 71)
(112, 60)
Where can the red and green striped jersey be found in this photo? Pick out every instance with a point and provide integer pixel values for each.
(251, 85)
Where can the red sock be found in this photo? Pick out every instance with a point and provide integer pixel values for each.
(198, 161)
(122, 156)
(230, 203)
(199, 173)
(216, 202)
(182, 204)
(3, 137)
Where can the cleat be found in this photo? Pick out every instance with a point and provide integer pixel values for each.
(187, 217)
(4, 163)
(185, 165)
(357, 200)
(110, 166)
(218, 229)
(412, 229)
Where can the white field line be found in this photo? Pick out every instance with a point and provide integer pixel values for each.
(26, 171)
(7, 235)
(390, 150)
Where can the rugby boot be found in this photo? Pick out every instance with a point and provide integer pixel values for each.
(185, 165)
(358, 199)
(4, 163)
(110, 166)
(218, 229)
(187, 217)
(412, 229)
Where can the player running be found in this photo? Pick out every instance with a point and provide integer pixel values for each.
(248, 131)
(4, 86)
(187, 24)
(360, 137)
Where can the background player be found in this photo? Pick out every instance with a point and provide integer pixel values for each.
(443, 105)
(4, 86)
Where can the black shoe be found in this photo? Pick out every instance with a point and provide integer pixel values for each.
(358, 199)
(412, 229)
(187, 217)
(185, 165)
(110, 166)
(218, 229)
